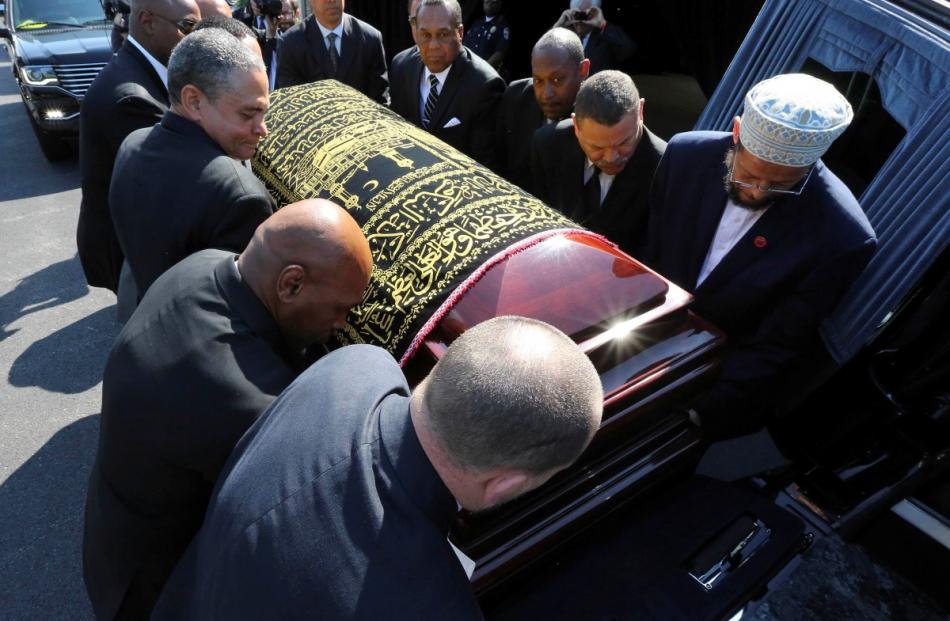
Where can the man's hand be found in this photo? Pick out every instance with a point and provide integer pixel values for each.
(595, 18)
(566, 20)
(270, 30)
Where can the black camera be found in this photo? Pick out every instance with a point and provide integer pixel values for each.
(270, 8)
(581, 16)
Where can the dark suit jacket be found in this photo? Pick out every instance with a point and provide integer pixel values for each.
(558, 170)
(776, 285)
(176, 192)
(518, 117)
(327, 509)
(609, 48)
(471, 94)
(304, 57)
(125, 96)
(194, 366)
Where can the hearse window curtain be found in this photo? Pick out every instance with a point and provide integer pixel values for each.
(908, 202)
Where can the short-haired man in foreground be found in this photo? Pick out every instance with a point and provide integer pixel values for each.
(764, 235)
(558, 68)
(181, 186)
(337, 503)
(597, 167)
(213, 342)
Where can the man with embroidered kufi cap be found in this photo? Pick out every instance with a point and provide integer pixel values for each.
(764, 235)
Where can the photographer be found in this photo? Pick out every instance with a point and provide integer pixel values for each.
(607, 46)
(276, 25)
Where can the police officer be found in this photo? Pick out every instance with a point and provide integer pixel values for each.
(489, 36)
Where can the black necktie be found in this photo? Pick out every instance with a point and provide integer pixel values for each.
(334, 57)
(592, 193)
(431, 101)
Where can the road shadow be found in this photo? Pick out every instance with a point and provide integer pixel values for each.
(70, 360)
(41, 509)
(53, 285)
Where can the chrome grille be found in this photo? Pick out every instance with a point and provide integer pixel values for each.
(77, 78)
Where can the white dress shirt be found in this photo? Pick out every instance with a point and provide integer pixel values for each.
(338, 31)
(605, 180)
(424, 86)
(735, 222)
(159, 68)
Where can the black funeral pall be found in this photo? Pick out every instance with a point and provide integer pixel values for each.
(432, 215)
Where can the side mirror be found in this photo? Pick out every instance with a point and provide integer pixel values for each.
(5, 33)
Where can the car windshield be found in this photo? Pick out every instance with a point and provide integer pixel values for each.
(39, 14)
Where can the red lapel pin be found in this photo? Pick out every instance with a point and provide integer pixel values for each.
(760, 242)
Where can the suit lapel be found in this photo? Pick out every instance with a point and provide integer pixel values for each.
(714, 201)
(415, 78)
(317, 46)
(449, 91)
(149, 70)
(348, 48)
(767, 233)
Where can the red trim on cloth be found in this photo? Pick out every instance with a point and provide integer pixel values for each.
(477, 275)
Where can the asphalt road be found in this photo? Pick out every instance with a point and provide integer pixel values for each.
(55, 333)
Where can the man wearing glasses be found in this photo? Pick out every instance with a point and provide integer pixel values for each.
(131, 92)
(766, 237)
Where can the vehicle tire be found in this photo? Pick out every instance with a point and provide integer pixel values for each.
(53, 147)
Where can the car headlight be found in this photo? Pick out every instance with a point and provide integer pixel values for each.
(38, 75)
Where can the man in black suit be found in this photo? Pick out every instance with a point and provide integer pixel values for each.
(337, 503)
(182, 186)
(128, 94)
(596, 168)
(443, 87)
(558, 67)
(333, 45)
(606, 45)
(213, 342)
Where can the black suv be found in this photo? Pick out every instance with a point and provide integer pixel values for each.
(57, 49)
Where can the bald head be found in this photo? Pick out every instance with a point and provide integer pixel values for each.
(158, 25)
(213, 7)
(309, 263)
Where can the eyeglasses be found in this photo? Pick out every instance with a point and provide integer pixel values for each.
(795, 190)
(184, 26)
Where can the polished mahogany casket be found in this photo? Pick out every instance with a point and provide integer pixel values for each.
(454, 245)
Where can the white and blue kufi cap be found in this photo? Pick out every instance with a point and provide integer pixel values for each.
(792, 119)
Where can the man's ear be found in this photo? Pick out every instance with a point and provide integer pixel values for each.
(735, 130)
(585, 69)
(290, 283)
(147, 21)
(191, 101)
(504, 486)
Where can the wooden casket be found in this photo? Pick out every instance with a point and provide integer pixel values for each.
(454, 245)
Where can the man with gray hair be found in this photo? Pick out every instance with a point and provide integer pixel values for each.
(183, 186)
(597, 166)
(337, 503)
(606, 45)
(558, 67)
